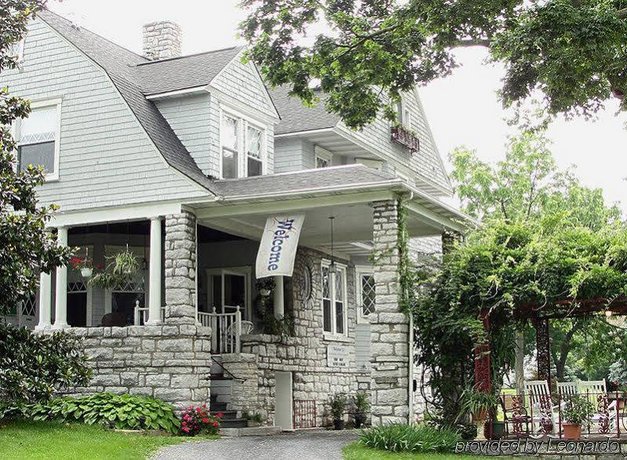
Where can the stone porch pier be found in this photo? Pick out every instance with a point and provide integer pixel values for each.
(388, 325)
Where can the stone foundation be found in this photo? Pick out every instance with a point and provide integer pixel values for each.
(169, 362)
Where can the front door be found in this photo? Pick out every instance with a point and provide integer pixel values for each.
(228, 288)
(284, 401)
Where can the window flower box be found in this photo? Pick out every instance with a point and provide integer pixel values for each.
(406, 138)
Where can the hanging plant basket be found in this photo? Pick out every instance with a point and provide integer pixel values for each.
(86, 272)
(120, 269)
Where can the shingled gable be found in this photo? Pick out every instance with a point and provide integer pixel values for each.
(120, 65)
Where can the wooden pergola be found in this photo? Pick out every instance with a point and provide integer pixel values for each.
(540, 315)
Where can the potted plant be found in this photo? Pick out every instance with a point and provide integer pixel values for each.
(482, 406)
(362, 405)
(338, 405)
(253, 419)
(84, 264)
(577, 411)
(120, 269)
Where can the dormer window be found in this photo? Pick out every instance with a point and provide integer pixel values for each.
(243, 147)
(323, 158)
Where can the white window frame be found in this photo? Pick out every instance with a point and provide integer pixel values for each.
(243, 123)
(360, 271)
(334, 334)
(403, 114)
(324, 155)
(49, 177)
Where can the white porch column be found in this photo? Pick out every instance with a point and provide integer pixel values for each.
(279, 301)
(156, 270)
(60, 311)
(45, 301)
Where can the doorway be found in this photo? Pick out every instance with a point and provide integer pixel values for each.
(284, 402)
(229, 288)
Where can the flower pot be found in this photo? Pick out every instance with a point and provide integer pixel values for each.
(494, 429)
(338, 424)
(264, 292)
(571, 430)
(360, 420)
(86, 272)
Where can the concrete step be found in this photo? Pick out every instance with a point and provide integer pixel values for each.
(226, 414)
(234, 423)
(251, 431)
(216, 406)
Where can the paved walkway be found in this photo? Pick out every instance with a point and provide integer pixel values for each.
(300, 445)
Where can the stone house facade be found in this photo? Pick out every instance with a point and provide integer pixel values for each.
(180, 160)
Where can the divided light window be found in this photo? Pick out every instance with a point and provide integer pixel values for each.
(334, 299)
(38, 139)
(242, 148)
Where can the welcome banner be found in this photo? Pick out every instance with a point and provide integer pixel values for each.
(279, 242)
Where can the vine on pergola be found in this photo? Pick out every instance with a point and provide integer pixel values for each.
(550, 264)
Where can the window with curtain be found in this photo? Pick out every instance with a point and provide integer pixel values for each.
(242, 148)
(253, 151)
(334, 299)
(230, 147)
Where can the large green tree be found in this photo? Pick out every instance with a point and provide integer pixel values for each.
(573, 51)
(26, 248)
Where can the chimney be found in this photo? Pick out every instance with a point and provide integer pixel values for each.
(162, 40)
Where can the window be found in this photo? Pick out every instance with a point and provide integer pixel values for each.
(323, 157)
(403, 115)
(334, 299)
(38, 139)
(242, 148)
(365, 294)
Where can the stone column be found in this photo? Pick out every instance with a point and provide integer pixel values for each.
(180, 268)
(45, 301)
(389, 327)
(156, 264)
(60, 312)
(279, 301)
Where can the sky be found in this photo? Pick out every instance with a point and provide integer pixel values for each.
(462, 109)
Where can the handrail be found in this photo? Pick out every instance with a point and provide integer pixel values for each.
(225, 370)
(142, 313)
(226, 329)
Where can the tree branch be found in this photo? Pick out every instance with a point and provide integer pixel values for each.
(622, 13)
(473, 42)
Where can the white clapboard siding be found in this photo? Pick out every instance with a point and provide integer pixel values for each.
(293, 154)
(106, 158)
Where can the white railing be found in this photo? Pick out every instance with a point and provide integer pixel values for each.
(226, 329)
(141, 314)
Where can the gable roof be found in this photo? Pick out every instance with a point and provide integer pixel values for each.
(183, 72)
(121, 64)
(296, 117)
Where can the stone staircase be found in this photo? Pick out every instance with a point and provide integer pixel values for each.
(221, 387)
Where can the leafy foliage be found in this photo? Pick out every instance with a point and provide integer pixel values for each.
(33, 367)
(120, 269)
(618, 373)
(115, 411)
(545, 239)
(338, 406)
(574, 52)
(399, 437)
(26, 248)
(195, 420)
(578, 410)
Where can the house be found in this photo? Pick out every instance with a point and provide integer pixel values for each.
(181, 160)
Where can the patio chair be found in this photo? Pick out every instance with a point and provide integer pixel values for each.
(541, 408)
(567, 389)
(515, 415)
(605, 412)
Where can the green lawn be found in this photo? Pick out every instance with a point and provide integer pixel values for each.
(356, 451)
(52, 441)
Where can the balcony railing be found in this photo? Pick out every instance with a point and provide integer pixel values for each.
(226, 329)
(140, 316)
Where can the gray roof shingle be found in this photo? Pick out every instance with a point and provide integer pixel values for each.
(183, 72)
(296, 117)
(303, 181)
(120, 64)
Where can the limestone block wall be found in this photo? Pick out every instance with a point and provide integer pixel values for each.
(305, 355)
(180, 268)
(389, 327)
(169, 362)
(244, 390)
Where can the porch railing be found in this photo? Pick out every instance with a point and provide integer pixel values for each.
(141, 314)
(226, 329)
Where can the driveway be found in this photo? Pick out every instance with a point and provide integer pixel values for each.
(300, 445)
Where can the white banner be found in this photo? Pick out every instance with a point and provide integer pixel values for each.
(279, 242)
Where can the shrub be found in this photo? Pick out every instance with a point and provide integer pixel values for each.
(398, 437)
(131, 412)
(198, 420)
(33, 367)
(338, 406)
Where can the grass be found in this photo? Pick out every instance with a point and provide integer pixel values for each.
(356, 451)
(51, 441)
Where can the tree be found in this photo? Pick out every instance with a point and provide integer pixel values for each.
(26, 248)
(528, 186)
(573, 51)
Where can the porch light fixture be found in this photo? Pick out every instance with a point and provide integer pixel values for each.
(332, 267)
